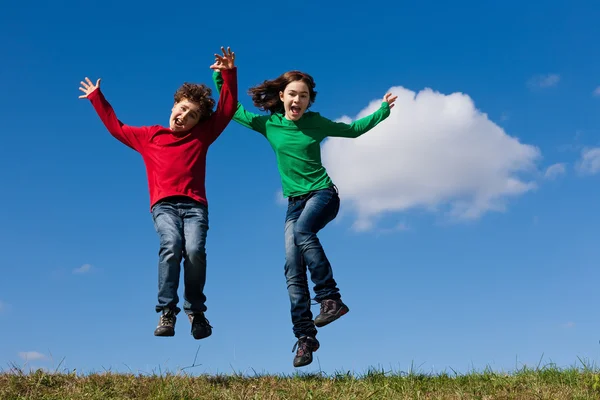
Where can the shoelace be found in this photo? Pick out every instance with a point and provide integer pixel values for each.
(326, 306)
(302, 345)
(166, 319)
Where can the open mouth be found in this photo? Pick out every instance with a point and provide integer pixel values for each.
(295, 110)
(179, 122)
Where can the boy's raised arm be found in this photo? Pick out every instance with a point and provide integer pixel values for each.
(228, 97)
(241, 116)
(129, 135)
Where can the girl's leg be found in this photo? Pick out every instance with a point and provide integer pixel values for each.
(297, 285)
(320, 209)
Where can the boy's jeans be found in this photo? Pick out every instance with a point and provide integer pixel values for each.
(306, 215)
(181, 224)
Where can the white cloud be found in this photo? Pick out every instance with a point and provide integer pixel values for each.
(85, 268)
(31, 355)
(597, 92)
(544, 81)
(569, 325)
(555, 170)
(436, 152)
(590, 161)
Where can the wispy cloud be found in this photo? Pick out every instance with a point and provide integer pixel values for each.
(280, 199)
(597, 92)
(400, 227)
(589, 163)
(555, 170)
(580, 137)
(32, 355)
(84, 269)
(543, 81)
(5, 308)
(569, 325)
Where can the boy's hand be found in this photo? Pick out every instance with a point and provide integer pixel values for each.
(390, 100)
(88, 87)
(226, 61)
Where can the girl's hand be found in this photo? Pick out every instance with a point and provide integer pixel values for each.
(226, 61)
(389, 99)
(88, 87)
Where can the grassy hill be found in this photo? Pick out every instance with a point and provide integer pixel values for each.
(540, 383)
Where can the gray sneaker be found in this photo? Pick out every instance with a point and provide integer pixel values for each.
(306, 345)
(330, 311)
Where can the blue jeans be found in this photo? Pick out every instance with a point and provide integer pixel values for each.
(307, 215)
(181, 224)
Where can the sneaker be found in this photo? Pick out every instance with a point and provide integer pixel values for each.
(166, 323)
(330, 311)
(306, 346)
(200, 327)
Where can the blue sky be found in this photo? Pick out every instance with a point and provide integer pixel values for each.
(439, 272)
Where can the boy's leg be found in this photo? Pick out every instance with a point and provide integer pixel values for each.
(169, 227)
(297, 285)
(320, 209)
(195, 227)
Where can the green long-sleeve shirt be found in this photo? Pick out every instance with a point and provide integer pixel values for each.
(297, 144)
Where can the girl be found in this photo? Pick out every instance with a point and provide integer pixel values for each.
(295, 134)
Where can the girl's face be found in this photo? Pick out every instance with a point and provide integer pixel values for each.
(295, 98)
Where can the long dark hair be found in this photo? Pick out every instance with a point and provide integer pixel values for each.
(266, 95)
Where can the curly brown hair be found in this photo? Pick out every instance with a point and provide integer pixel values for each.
(199, 94)
(266, 95)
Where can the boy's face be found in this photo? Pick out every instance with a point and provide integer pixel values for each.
(295, 100)
(184, 115)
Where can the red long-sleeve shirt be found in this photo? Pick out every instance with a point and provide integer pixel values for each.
(175, 161)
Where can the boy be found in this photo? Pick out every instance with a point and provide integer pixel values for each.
(175, 160)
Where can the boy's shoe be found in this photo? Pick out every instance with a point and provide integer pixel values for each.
(306, 346)
(330, 311)
(166, 323)
(200, 327)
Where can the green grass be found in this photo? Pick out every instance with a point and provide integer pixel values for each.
(549, 382)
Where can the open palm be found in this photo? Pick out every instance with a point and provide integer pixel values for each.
(88, 87)
(389, 99)
(226, 61)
